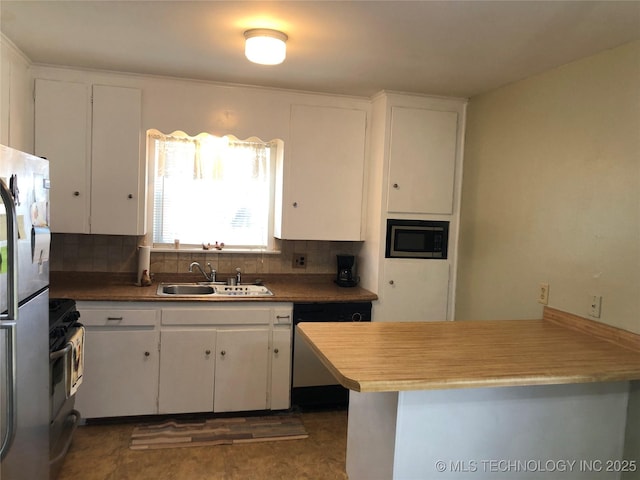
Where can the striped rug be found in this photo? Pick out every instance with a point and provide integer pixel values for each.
(216, 431)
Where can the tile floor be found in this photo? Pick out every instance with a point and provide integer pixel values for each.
(101, 452)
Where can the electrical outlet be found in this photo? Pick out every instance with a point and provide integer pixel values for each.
(299, 260)
(543, 294)
(595, 305)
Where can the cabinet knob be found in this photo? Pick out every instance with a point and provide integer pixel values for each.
(130, 195)
(295, 204)
(275, 350)
(396, 186)
(146, 354)
(223, 353)
(390, 282)
(76, 194)
(207, 352)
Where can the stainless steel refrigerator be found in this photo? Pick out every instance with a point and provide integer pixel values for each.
(24, 324)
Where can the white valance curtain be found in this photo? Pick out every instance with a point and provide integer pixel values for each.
(210, 155)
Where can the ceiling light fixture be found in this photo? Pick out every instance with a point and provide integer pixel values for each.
(265, 46)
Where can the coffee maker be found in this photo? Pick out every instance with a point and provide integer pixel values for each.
(347, 271)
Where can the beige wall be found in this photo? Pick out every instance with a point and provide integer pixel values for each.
(551, 193)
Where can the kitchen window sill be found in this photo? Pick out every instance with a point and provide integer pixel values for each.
(188, 249)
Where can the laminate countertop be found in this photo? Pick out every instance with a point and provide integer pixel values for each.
(396, 356)
(121, 288)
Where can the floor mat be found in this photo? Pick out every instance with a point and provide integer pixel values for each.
(216, 431)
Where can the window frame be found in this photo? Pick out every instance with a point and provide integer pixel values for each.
(272, 246)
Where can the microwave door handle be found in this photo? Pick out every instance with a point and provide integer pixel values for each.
(8, 320)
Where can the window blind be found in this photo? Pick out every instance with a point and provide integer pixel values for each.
(211, 189)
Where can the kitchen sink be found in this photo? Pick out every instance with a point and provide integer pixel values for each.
(218, 290)
(185, 289)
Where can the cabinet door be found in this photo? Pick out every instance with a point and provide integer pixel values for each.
(281, 369)
(187, 359)
(120, 373)
(414, 291)
(62, 115)
(325, 165)
(19, 123)
(422, 161)
(241, 370)
(117, 200)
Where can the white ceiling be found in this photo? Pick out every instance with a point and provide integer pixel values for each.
(456, 48)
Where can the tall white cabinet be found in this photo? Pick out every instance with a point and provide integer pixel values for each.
(415, 173)
(92, 136)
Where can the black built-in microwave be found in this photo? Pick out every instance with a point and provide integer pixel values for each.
(426, 239)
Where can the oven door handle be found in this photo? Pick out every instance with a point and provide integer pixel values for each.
(60, 353)
(8, 320)
(64, 353)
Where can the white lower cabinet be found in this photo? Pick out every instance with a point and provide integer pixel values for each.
(414, 291)
(121, 363)
(187, 365)
(281, 368)
(149, 358)
(241, 370)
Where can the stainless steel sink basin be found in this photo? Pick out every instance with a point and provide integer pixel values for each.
(217, 290)
(185, 289)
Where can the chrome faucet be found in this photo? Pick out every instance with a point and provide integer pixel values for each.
(211, 277)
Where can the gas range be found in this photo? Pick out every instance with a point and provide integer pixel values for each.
(63, 317)
(63, 324)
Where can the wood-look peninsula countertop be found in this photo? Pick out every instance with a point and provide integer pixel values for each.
(121, 288)
(396, 356)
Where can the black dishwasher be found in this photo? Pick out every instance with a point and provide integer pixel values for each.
(312, 385)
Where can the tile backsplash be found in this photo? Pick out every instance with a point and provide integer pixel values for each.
(119, 254)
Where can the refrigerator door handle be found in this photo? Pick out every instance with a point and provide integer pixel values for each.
(8, 320)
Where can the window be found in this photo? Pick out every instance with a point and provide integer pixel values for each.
(211, 189)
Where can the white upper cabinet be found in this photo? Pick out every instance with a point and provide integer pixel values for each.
(324, 170)
(62, 134)
(97, 170)
(422, 161)
(116, 190)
